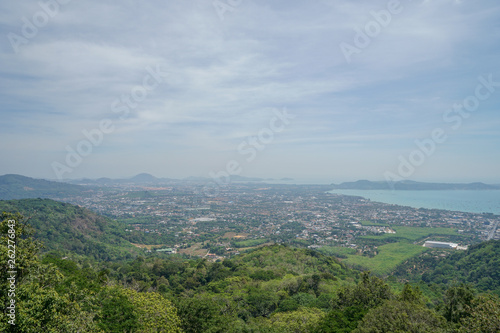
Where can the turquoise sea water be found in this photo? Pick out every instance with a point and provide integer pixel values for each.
(464, 201)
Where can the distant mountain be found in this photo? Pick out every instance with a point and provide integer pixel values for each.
(65, 227)
(145, 178)
(408, 185)
(140, 179)
(21, 187)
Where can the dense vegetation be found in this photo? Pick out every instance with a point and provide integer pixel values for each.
(478, 266)
(73, 229)
(270, 289)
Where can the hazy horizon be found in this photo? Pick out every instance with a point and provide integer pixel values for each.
(271, 180)
(317, 91)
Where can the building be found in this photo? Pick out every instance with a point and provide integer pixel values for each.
(441, 245)
(167, 250)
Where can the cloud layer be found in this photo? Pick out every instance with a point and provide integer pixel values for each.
(67, 65)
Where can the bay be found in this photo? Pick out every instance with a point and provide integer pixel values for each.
(465, 201)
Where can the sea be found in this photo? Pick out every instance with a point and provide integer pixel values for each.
(486, 201)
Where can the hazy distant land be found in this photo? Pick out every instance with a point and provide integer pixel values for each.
(18, 187)
(407, 185)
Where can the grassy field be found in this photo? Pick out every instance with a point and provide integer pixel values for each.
(337, 251)
(414, 233)
(391, 254)
(388, 257)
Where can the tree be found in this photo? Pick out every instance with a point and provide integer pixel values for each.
(42, 309)
(411, 295)
(484, 315)
(401, 316)
(341, 321)
(117, 312)
(457, 302)
(205, 314)
(302, 320)
(36, 305)
(368, 293)
(261, 303)
(18, 248)
(154, 312)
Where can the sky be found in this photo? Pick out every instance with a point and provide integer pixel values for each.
(317, 90)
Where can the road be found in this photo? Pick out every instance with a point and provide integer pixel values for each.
(492, 232)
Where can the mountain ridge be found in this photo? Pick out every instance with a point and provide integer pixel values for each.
(73, 229)
(408, 185)
(14, 186)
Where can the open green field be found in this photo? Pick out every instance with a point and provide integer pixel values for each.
(414, 233)
(388, 257)
(250, 243)
(337, 251)
(390, 254)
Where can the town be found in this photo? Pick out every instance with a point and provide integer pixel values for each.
(179, 218)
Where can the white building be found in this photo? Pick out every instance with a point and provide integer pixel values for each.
(441, 245)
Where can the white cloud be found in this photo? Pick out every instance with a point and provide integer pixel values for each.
(224, 77)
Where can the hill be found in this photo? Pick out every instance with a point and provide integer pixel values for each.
(479, 266)
(284, 260)
(407, 185)
(243, 292)
(144, 178)
(68, 228)
(21, 187)
(140, 179)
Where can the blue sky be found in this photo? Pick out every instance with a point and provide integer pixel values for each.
(224, 69)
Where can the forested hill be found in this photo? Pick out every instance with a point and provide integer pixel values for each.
(479, 266)
(62, 226)
(278, 260)
(21, 187)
